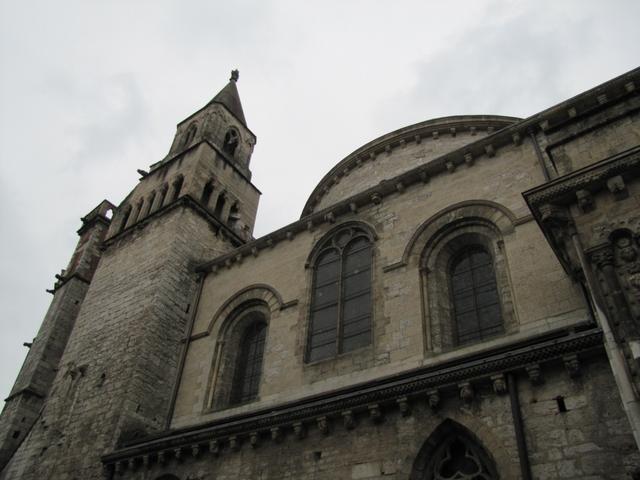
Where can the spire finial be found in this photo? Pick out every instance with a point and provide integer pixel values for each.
(235, 74)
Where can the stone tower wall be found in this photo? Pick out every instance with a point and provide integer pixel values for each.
(120, 363)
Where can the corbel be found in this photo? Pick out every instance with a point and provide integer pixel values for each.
(145, 461)
(375, 413)
(310, 225)
(323, 425)
(489, 150)
(118, 468)
(466, 392)
(572, 112)
(451, 167)
(468, 158)
(348, 420)
(585, 200)
(376, 198)
(346, 171)
(255, 251)
(617, 187)
(572, 364)
(239, 258)
(602, 98)
(516, 138)
(290, 235)
(433, 399)
(276, 434)
(214, 448)
(372, 156)
(387, 149)
(630, 86)
(228, 262)
(254, 439)
(177, 453)
(435, 135)
(535, 373)
(424, 176)
(162, 457)
(472, 130)
(403, 143)
(359, 161)
(195, 450)
(400, 187)
(131, 463)
(353, 206)
(299, 430)
(330, 217)
(452, 131)
(544, 125)
(417, 139)
(234, 443)
(404, 406)
(499, 384)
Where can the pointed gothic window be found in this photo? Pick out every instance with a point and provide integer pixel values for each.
(340, 319)
(474, 292)
(231, 140)
(248, 371)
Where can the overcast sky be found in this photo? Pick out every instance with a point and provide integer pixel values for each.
(91, 91)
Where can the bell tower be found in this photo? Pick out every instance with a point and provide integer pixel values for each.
(115, 376)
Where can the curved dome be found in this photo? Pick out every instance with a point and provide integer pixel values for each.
(400, 151)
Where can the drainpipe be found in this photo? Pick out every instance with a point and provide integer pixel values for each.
(621, 374)
(516, 414)
(185, 348)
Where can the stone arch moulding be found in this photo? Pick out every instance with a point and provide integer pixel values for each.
(253, 294)
(318, 244)
(436, 243)
(433, 456)
(255, 303)
(494, 213)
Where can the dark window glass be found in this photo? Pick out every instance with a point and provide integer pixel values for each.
(341, 299)
(476, 304)
(249, 365)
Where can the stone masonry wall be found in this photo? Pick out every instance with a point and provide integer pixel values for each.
(591, 440)
(120, 364)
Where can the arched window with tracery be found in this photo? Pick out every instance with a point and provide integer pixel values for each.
(341, 304)
(248, 370)
(474, 295)
(453, 453)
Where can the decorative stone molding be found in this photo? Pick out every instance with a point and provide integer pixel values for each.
(427, 382)
(299, 430)
(276, 434)
(214, 448)
(375, 413)
(254, 439)
(617, 187)
(585, 200)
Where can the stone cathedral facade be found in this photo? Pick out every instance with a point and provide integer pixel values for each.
(460, 299)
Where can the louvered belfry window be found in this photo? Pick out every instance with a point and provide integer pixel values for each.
(341, 300)
(248, 369)
(476, 304)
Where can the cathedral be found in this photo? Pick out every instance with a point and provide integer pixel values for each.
(459, 300)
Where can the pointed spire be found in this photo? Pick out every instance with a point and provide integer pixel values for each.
(230, 98)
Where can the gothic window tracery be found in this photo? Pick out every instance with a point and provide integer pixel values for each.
(459, 459)
(340, 317)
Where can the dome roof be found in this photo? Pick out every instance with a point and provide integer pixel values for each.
(400, 151)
